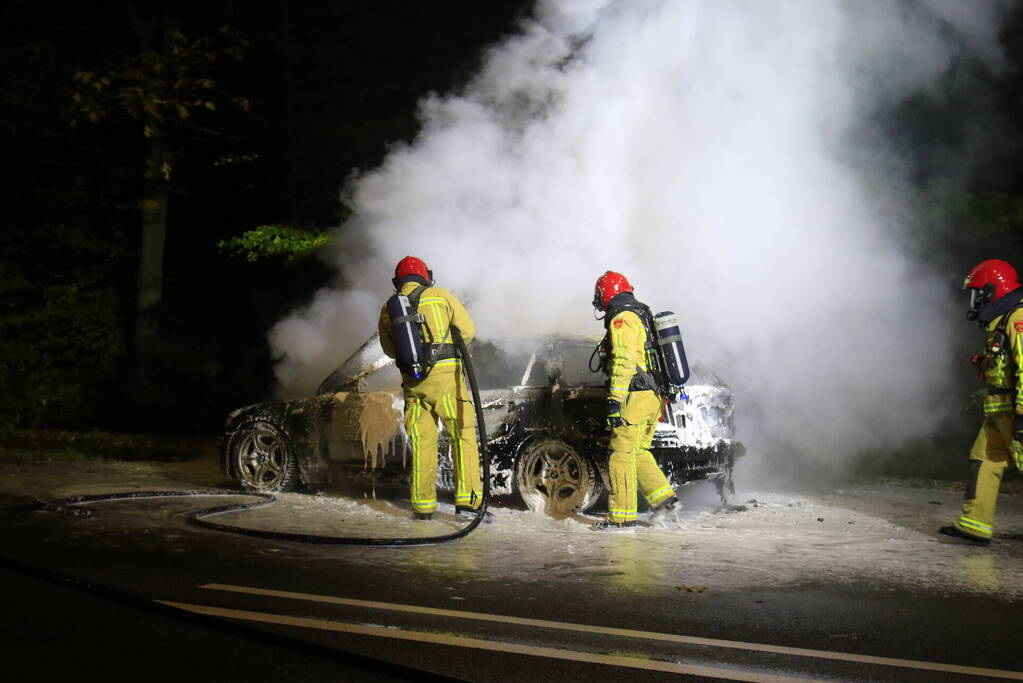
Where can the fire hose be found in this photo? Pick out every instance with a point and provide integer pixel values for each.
(73, 505)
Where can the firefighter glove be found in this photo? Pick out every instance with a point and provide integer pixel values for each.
(614, 413)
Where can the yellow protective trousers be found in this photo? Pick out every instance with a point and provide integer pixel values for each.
(989, 457)
(442, 395)
(632, 462)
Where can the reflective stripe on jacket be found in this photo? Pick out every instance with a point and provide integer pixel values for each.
(441, 311)
(628, 342)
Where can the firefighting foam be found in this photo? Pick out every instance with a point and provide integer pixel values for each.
(716, 151)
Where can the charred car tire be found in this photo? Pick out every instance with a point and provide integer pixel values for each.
(260, 457)
(552, 477)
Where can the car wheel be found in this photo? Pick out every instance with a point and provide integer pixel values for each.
(261, 457)
(554, 478)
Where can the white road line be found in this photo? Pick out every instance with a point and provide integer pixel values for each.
(494, 646)
(629, 633)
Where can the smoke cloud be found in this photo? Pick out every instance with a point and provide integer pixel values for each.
(718, 153)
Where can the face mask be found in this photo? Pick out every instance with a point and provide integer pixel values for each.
(978, 299)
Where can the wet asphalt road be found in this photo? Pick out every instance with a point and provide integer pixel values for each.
(178, 602)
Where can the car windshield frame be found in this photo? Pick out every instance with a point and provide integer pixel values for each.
(508, 366)
(370, 358)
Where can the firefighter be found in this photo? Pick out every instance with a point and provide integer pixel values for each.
(996, 303)
(633, 406)
(438, 395)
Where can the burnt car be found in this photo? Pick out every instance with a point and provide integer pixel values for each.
(544, 413)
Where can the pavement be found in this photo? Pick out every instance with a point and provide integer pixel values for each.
(833, 586)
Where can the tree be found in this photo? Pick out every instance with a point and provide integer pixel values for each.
(62, 342)
(169, 92)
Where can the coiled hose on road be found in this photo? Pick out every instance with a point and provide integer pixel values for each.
(72, 505)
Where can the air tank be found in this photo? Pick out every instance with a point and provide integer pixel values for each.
(408, 344)
(669, 338)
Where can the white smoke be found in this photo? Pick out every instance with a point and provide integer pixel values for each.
(714, 151)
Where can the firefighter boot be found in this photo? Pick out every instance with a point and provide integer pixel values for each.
(666, 514)
(956, 532)
(608, 525)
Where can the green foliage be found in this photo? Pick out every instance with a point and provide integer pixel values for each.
(61, 337)
(156, 86)
(270, 241)
(955, 226)
(978, 213)
(162, 89)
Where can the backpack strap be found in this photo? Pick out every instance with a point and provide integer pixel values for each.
(1008, 314)
(642, 380)
(440, 347)
(441, 350)
(415, 295)
(1005, 328)
(413, 299)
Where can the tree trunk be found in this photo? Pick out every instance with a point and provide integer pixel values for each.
(149, 287)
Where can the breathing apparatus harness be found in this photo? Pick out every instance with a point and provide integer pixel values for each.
(415, 350)
(667, 368)
(1000, 340)
(72, 505)
(985, 312)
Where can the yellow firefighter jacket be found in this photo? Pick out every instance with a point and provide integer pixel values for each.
(1001, 363)
(627, 337)
(441, 310)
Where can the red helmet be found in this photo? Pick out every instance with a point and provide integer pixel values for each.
(608, 285)
(410, 265)
(989, 281)
(999, 274)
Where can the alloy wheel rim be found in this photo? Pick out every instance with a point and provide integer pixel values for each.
(262, 459)
(556, 473)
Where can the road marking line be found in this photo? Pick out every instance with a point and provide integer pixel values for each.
(629, 633)
(494, 646)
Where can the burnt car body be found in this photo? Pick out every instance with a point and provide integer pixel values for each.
(544, 413)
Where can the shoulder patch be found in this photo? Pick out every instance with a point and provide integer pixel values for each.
(1019, 325)
(618, 323)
